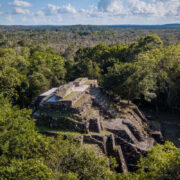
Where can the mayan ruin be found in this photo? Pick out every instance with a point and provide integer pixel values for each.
(82, 106)
(67, 95)
(90, 90)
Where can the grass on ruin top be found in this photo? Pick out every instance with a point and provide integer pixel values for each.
(63, 90)
(59, 131)
(70, 95)
(102, 133)
(88, 82)
(79, 79)
(90, 113)
(81, 100)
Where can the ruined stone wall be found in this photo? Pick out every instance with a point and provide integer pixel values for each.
(109, 148)
(58, 105)
(80, 81)
(123, 135)
(77, 97)
(69, 90)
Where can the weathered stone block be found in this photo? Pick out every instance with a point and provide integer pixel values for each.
(94, 125)
(120, 160)
(110, 144)
(91, 140)
(138, 134)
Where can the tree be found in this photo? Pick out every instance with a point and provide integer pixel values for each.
(162, 162)
(25, 169)
(150, 42)
(18, 137)
(38, 83)
(168, 68)
(67, 157)
(133, 80)
(10, 79)
(22, 43)
(24, 153)
(22, 149)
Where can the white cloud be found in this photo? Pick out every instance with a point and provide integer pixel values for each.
(139, 7)
(91, 12)
(19, 10)
(166, 0)
(126, 11)
(110, 5)
(67, 9)
(20, 7)
(161, 8)
(154, 8)
(105, 12)
(40, 13)
(18, 3)
(54, 10)
(113, 7)
(50, 10)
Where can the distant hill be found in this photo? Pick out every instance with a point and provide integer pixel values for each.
(144, 26)
(177, 25)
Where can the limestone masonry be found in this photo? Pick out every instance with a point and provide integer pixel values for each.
(67, 95)
(117, 128)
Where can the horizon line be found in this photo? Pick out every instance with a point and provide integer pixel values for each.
(92, 24)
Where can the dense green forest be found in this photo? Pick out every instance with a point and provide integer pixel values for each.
(141, 65)
(146, 70)
(71, 38)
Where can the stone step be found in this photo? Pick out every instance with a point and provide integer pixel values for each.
(121, 160)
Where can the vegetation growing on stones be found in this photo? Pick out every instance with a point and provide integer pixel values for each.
(26, 154)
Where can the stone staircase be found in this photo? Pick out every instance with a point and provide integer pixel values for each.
(108, 147)
(103, 102)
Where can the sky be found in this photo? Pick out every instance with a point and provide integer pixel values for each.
(96, 12)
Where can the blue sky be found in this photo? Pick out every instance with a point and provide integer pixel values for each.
(69, 12)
